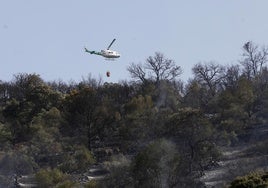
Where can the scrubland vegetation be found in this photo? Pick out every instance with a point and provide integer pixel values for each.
(153, 131)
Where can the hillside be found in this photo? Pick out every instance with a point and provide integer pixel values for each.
(247, 156)
(154, 131)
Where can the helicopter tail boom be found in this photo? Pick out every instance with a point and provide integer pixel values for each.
(86, 50)
(92, 52)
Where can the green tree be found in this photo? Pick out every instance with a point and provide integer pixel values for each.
(193, 95)
(29, 95)
(80, 109)
(237, 106)
(245, 96)
(46, 143)
(232, 75)
(15, 122)
(155, 165)
(5, 136)
(4, 87)
(138, 125)
(22, 85)
(195, 138)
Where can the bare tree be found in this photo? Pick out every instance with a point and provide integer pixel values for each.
(155, 68)
(209, 75)
(254, 59)
(162, 68)
(137, 71)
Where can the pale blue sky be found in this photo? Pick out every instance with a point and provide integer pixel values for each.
(48, 37)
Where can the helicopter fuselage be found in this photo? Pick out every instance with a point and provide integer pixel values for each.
(110, 54)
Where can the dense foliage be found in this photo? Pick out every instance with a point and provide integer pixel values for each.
(153, 132)
(251, 180)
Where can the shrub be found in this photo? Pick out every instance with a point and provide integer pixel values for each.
(251, 180)
(67, 184)
(50, 178)
(155, 165)
(77, 161)
(120, 174)
(91, 184)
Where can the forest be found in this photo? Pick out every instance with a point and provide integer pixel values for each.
(152, 131)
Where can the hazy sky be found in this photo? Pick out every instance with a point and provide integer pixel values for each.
(48, 37)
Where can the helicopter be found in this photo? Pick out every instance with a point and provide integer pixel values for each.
(107, 53)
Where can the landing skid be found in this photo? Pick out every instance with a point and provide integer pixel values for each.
(109, 59)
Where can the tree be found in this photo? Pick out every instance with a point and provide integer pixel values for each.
(61, 87)
(163, 69)
(155, 165)
(262, 95)
(194, 136)
(33, 95)
(28, 95)
(159, 80)
(46, 140)
(254, 59)
(5, 136)
(209, 75)
(138, 72)
(193, 95)
(245, 96)
(137, 125)
(80, 109)
(23, 84)
(236, 106)
(156, 68)
(4, 86)
(231, 78)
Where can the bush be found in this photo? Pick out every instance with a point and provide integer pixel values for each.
(251, 180)
(156, 165)
(67, 184)
(91, 184)
(49, 178)
(120, 174)
(77, 161)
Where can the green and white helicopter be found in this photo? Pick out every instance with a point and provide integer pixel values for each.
(107, 53)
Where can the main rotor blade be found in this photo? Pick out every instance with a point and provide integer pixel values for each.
(110, 44)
